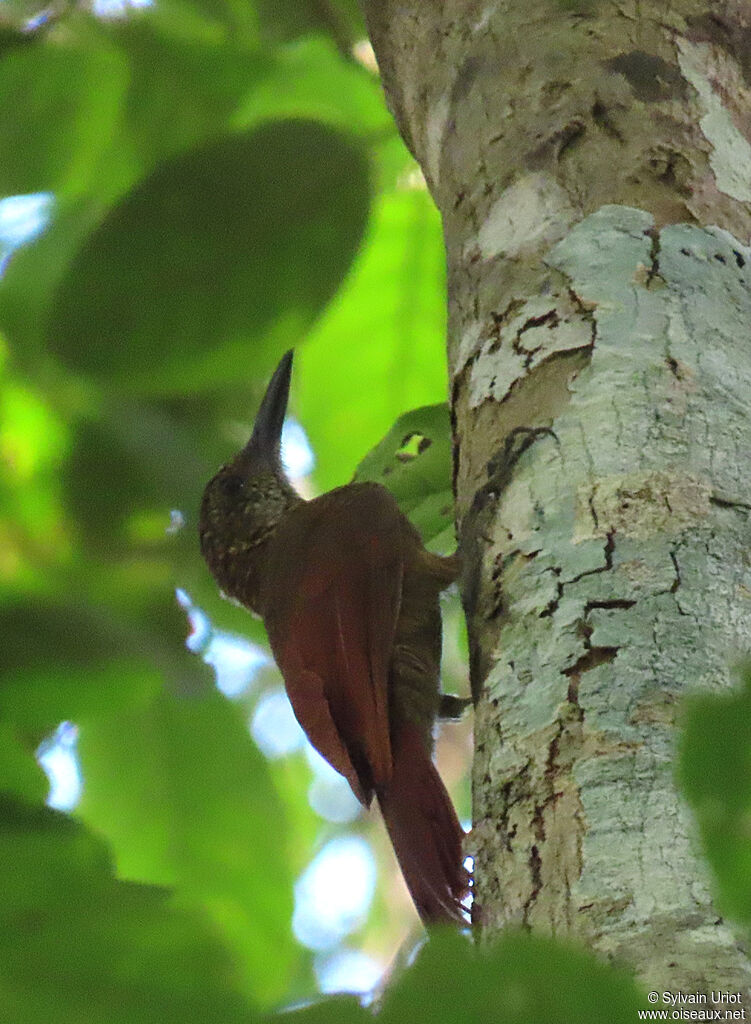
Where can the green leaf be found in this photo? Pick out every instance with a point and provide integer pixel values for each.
(714, 770)
(414, 462)
(182, 91)
(79, 947)
(310, 79)
(58, 108)
(66, 661)
(39, 697)
(380, 348)
(184, 798)
(231, 23)
(334, 1010)
(127, 472)
(19, 771)
(138, 458)
(522, 979)
(288, 19)
(34, 272)
(235, 245)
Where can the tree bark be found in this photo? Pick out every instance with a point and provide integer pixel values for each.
(592, 166)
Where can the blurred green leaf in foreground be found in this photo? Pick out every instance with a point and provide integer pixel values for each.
(715, 773)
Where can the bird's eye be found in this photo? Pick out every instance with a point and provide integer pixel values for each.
(232, 485)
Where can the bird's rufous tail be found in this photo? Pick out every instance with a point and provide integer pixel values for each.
(424, 831)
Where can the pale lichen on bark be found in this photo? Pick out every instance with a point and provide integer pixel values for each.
(615, 604)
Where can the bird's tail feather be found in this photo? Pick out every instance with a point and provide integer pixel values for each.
(424, 831)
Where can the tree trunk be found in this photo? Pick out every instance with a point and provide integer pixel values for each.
(578, 153)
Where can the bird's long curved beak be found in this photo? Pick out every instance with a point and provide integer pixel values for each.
(265, 441)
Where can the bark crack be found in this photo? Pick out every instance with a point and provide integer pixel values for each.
(602, 119)
(550, 775)
(734, 503)
(551, 318)
(608, 550)
(677, 581)
(653, 274)
(586, 310)
(535, 869)
(513, 792)
(554, 603)
(593, 509)
(592, 657)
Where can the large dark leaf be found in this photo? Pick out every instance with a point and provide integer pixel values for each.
(66, 660)
(230, 247)
(79, 947)
(185, 798)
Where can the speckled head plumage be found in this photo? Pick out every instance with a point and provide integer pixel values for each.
(245, 500)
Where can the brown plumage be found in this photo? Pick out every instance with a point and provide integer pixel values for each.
(349, 597)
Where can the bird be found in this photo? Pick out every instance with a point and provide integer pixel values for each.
(349, 597)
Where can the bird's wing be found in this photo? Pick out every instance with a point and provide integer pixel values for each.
(332, 601)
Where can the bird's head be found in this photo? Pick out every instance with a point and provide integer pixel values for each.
(244, 501)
